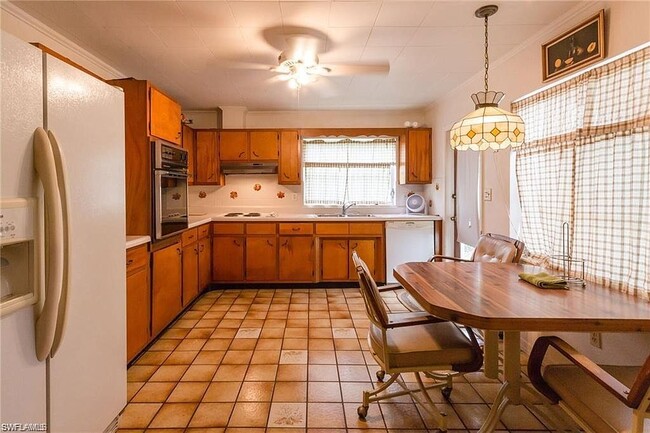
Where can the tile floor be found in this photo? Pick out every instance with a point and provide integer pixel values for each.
(285, 360)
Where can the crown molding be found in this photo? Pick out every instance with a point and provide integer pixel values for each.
(81, 56)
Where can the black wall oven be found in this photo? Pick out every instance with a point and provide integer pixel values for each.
(170, 207)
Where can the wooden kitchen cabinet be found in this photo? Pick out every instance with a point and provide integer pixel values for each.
(261, 258)
(263, 145)
(416, 157)
(334, 259)
(165, 117)
(138, 292)
(367, 250)
(228, 258)
(190, 273)
(296, 258)
(167, 283)
(233, 145)
(205, 263)
(189, 144)
(289, 164)
(207, 171)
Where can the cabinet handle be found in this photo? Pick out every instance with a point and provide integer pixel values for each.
(179, 251)
(255, 153)
(414, 175)
(237, 243)
(355, 246)
(128, 262)
(269, 243)
(343, 246)
(242, 154)
(211, 176)
(286, 176)
(286, 243)
(201, 248)
(196, 251)
(295, 229)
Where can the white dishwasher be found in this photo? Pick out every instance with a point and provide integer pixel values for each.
(407, 241)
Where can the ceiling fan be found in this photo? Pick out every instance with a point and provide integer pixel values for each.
(298, 63)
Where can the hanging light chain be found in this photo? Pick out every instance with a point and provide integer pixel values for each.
(487, 60)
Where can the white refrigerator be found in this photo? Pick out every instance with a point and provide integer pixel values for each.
(80, 385)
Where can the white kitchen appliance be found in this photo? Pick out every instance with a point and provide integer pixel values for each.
(407, 241)
(63, 146)
(415, 204)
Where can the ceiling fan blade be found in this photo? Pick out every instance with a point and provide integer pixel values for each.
(358, 68)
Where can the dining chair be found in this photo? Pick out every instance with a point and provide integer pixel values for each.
(491, 247)
(600, 399)
(412, 342)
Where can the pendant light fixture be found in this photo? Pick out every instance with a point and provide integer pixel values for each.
(487, 127)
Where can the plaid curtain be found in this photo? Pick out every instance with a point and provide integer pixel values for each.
(587, 162)
(342, 170)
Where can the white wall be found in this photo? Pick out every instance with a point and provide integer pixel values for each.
(627, 26)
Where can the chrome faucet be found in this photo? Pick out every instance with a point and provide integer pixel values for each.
(345, 207)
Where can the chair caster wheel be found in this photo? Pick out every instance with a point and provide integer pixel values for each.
(446, 392)
(380, 375)
(362, 411)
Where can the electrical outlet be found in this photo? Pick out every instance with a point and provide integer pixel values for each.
(487, 194)
(596, 339)
(294, 196)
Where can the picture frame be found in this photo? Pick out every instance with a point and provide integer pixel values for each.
(580, 46)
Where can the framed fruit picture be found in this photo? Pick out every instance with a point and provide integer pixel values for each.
(580, 46)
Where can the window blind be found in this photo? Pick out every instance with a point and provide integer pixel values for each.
(341, 170)
(587, 161)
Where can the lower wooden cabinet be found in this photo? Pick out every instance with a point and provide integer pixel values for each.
(138, 293)
(296, 258)
(367, 250)
(166, 286)
(205, 263)
(228, 258)
(190, 273)
(261, 258)
(335, 257)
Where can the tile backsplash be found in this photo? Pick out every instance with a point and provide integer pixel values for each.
(263, 193)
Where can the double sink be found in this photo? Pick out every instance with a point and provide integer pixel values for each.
(340, 215)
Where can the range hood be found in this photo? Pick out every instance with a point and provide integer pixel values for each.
(247, 167)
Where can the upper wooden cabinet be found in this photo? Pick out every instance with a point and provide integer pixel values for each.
(207, 161)
(416, 157)
(189, 144)
(165, 121)
(289, 163)
(258, 145)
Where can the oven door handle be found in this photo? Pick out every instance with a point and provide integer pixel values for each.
(173, 174)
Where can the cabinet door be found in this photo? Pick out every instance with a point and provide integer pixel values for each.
(296, 256)
(418, 154)
(165, 117)
(261, 258)
(289, 163)
(190, 273)
(205, 270)
(137, 312)
(166, 287)
(228, 258)
(366, 248)
(207, 162)
(189, 145)
(233, 145)
(334, 259)
(264, 145)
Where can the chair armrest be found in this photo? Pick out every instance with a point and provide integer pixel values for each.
(439, 258)
(609, 383)
(389, 287)
(423, 321)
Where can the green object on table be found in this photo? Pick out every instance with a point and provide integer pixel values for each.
(544, 280)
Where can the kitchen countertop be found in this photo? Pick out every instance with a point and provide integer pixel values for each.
(198, 220)
(134, 241)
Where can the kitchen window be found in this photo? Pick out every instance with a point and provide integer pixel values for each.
(340, 170)
(586, 161)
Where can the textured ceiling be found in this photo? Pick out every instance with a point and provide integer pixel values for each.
(217, 53)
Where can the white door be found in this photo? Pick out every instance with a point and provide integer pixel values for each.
(22, 376)
(87, 376)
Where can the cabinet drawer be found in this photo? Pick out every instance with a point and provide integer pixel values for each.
(227, 228)
(296, 228)
(136, 258)
(367, 229)
(332, 228)
(189, 236)
(260, 228)
(204, 231)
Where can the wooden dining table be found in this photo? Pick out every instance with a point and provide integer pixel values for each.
(492, 297)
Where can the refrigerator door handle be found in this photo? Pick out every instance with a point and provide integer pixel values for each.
(45, 166)
(59, 160)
